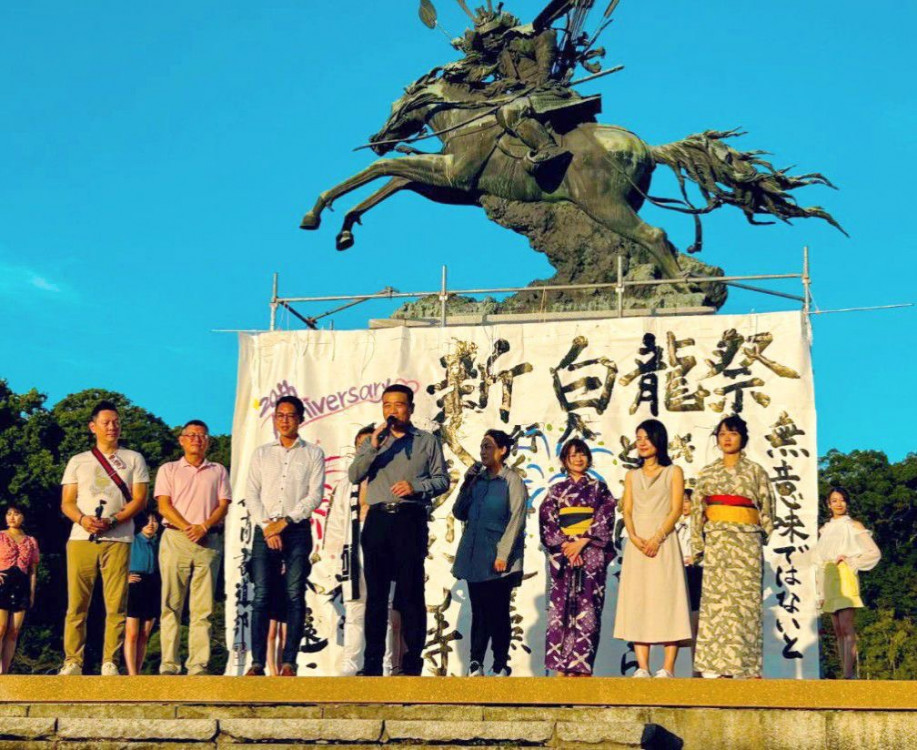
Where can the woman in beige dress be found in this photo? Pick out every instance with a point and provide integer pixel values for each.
(653, 595)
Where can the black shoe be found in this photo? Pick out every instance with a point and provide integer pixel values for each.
(475, 669)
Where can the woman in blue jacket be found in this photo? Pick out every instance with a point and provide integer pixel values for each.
(492, 502)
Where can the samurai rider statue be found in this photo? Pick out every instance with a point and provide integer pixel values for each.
(519, 64)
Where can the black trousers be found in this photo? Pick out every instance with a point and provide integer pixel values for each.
(394, 549)
(490, 619)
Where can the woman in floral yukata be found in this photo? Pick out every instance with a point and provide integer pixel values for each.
(577, 523)
(732, 518)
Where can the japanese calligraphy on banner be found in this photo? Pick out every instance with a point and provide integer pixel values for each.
(543, 383)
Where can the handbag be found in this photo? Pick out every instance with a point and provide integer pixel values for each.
(850, 583)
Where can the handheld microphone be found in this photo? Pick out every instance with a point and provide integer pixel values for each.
(476, 470)
(390, 421)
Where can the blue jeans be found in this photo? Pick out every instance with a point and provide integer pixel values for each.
(297, 546)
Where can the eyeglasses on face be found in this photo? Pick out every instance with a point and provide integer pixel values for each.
(197, 437)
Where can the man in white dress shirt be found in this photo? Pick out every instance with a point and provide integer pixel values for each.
(285, 482)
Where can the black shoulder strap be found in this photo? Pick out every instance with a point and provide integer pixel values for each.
(112, 474)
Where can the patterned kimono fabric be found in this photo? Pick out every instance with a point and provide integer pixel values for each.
(572, 510)
(732, 518)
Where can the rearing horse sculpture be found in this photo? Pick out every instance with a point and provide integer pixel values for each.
(607, 174)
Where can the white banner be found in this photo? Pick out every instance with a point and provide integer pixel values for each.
(543, 382)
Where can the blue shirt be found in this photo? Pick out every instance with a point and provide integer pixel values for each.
(144, 553)
(416, 457)
(493, 509)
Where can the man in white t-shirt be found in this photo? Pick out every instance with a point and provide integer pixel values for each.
(96, 488)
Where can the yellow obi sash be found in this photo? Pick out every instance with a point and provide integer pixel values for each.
(732, 509)
(576, 521)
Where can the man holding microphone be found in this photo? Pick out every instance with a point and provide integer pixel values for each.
(405, 469)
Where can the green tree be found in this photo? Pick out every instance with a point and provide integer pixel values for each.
(888, 646)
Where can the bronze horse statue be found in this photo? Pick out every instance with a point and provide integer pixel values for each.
(607, 175)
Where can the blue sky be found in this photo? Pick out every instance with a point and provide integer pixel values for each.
(156, 160)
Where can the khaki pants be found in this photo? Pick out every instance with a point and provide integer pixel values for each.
(186, 565)
(85, 560)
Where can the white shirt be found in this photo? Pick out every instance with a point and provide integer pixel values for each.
(285, 481)
(94, 485)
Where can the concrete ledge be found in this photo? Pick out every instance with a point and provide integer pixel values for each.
(137, 730)
(205, 711)
(405, 713)
(563, 713)
(879, 730)
(463, 731)
(26, 729)
(470, 691)
(102, 710)
(622, 733)
(304, 730)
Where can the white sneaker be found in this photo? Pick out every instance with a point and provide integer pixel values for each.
(110, 669)
(642, 673)
(71, 668)
(504, 672)
(475, 669)
(663, 673)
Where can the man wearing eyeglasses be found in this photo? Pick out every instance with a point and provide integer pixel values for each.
(286, 478)
(193, 496)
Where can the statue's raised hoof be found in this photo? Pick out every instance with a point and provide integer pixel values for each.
(344, 240)
(310, 221)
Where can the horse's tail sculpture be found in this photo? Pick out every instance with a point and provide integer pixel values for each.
(739, 178)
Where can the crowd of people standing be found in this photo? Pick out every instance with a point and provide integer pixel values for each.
(691, 573)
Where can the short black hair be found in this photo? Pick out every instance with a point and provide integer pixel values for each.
(400, 388)
(658, 435)
(19, 508)
(689, 492)
(735, 423)
(103, 406)
(578, 444)
(368, 430)
(502, 439)
(843, 492)
(196, 423)
(143, 518)
(295, 402)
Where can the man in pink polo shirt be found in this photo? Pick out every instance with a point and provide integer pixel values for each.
(193, 495)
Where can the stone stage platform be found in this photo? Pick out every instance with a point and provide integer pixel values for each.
(142, 713)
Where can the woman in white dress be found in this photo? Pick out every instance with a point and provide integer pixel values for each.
(844, 548)
(652, 595)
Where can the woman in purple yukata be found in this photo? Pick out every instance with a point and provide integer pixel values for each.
(577, 523)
